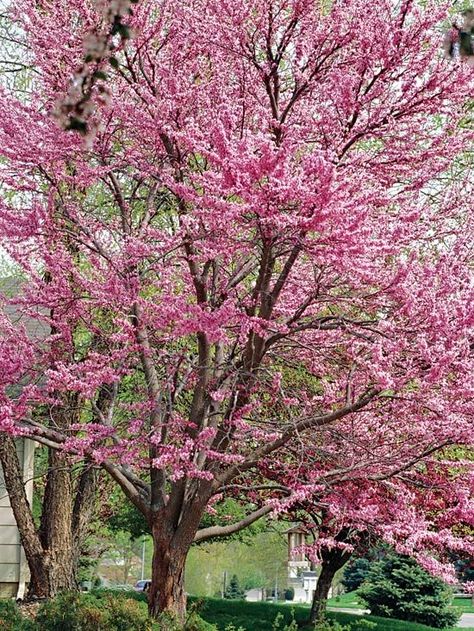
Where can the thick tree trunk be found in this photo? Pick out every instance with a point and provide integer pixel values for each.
(56, 524)
(51, 552)
(166, 592)
(332, 561)
(85, 506)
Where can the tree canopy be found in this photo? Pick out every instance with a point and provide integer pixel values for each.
(265, 235)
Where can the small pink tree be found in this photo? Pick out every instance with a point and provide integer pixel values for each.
(264, 247)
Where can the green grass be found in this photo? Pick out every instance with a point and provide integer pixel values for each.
(347, 601)
(351, 601)
(260, 616)
(464, 604)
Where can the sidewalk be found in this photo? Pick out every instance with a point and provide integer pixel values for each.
(467, 620)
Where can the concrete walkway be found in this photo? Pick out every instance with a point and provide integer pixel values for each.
(467, 620)
(356, 612)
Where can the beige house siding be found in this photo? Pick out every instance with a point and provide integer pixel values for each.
(13, 566)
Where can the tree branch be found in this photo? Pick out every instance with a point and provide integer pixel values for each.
(302, 425)
(222, 531)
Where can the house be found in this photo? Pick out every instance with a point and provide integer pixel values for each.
(14, 572)
(302, 576)
(13, 567)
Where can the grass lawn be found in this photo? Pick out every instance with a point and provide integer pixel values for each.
(464, 604)
(351, 601)
(347, 601)
(260, 616)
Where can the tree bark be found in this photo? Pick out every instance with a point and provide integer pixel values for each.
(332, 561)
(56, 524)
(85, 505)
(37, 559)
(166, 592)
(52, 551)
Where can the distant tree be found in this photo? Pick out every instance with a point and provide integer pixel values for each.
(289, 593)
(234, 591)
(397, 587)
(124, 516)
(355, 574)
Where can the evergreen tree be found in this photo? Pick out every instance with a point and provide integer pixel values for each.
(397, 587)
(355, 573)
(234, 591)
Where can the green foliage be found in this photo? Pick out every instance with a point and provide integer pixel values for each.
(167, 622)
(355, 573)
(11, 618)
(397, 587)
(228, 511)
(258, 564)
(104, 592)
(279, 620)
(127, 615)
(363, 625)
(331, 625)
(289, 593)
(72, 611)
(355, 625)
(234, 591)
(125, 517)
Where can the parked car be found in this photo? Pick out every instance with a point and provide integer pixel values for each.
(142, 586)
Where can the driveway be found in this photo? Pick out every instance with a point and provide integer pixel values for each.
(467, 620)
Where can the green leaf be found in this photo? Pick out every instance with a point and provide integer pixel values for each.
(100, 74)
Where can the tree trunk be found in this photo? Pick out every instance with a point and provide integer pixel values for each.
(50, 551)
(56, 524)
(332, 561)
(166, 592)
(84, 509)
(38, 561)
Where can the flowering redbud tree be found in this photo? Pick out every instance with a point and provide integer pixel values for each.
(263, 245)
(425, 511)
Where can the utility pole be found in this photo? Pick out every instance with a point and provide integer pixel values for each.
(143, 556)
(276, 583)
(224, 583)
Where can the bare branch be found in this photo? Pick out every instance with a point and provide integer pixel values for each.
(222, 531)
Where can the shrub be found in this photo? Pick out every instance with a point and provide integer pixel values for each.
(396, 587)
(11, 618)
(126, 614)
(167, 622)
(71, 611)
(363, 625)
(279, 620)
(333, 625)
(330, 625)
(102, 592)
(289, 593)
